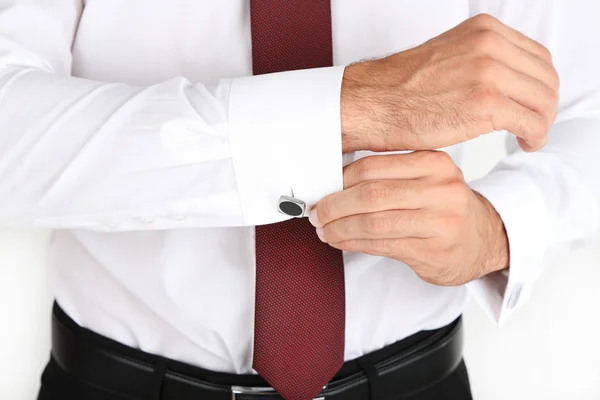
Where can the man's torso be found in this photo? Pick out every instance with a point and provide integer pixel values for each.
(189, 294)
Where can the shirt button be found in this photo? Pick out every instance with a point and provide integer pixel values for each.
(515, 295)
(112, 223)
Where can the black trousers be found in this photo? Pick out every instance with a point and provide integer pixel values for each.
(57, 384)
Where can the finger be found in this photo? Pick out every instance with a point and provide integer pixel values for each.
(399, 249)
(523, 89)
(499, 48)
(368, 197)
(488, 22)
(415, 165)
(506, 114)
(392, 224)
(529, 148)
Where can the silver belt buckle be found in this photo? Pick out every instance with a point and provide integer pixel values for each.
(257, 391)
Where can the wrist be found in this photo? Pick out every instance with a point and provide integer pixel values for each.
(349, 111)
(495, 255)
(360, 111)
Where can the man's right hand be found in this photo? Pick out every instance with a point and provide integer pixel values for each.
(478, 77)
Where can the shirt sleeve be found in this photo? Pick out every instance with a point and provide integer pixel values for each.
(549, 200)
(77, 153)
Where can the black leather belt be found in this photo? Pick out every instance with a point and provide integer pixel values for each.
(105, 364)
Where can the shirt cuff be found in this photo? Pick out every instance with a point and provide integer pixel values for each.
(285, 136)
(521, 205)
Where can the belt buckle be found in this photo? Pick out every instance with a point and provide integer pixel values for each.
(256, 391)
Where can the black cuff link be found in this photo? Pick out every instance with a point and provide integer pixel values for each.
(291, 206)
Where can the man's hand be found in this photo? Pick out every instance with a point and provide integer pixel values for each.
(478, 77)
(415, 208)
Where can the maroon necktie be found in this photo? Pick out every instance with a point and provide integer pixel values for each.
(300, 303)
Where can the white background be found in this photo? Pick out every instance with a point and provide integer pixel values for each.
(549, 350)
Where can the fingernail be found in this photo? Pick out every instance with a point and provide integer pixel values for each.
(313, 217)
(321, 234)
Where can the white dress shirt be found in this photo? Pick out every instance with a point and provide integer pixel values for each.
(135, 130)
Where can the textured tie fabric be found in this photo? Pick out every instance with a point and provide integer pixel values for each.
(300, 303)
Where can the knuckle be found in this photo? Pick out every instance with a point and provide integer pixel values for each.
(545, 53)
(552, 96)
(551, 107)
(456, 191)
(365, 168)
(486, 39)
(456, 195)
(375, 191)
(383, 246)
(484, 20)
(333, 231)
(436, 158)
(455, 172)
(548, 96)
(485, 69)
(325, 209)
(550, 69)
(485, 96)
(443, 158)
(555, 80)
(539, 128)
(376, 223)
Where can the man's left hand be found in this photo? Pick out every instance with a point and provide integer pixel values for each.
(415, 208)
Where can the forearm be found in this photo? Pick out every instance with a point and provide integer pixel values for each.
(84, 152)
(92, 152)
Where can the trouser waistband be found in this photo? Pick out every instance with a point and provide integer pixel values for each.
(405, 367)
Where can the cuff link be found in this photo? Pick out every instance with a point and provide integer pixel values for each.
(291, 206)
